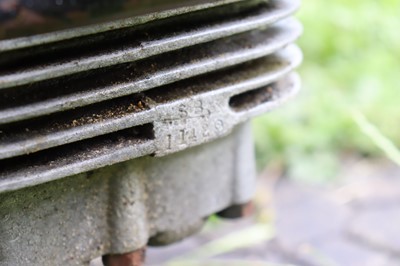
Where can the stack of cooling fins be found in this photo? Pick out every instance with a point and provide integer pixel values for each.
(79, 100)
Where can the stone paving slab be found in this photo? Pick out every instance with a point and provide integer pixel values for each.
(355, 222)
(313, 227)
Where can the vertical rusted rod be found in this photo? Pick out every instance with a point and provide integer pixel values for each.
(135, 258)
(237, 211)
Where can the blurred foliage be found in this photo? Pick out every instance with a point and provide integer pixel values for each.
(351, 60)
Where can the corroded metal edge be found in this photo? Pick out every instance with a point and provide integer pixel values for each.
(23, 42)
(272, 39)
(145, 50)
(169, 138)
(261, 75)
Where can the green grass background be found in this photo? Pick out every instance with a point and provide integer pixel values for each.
(351, 61)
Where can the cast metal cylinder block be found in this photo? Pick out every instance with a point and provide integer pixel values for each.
(126, 121)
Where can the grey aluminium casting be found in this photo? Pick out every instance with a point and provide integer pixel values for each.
(132, 130)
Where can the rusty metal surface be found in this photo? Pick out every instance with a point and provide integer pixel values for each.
(135, 258)
(140, 49)
(237, 211)
(29, 17)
